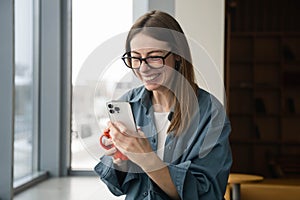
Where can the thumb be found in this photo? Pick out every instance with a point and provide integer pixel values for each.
(141, 133)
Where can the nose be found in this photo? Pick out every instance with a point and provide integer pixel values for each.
(144, 66)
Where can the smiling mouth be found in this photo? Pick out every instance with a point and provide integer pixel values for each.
(150, 78)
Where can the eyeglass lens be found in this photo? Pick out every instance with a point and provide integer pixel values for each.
(152, 61)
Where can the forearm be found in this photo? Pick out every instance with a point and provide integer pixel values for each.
(163, 179)
(158, 171)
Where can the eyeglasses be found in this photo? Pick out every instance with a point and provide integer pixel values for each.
(154, 62)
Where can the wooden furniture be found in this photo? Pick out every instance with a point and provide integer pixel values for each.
(262, 83)
(275, 189)
(235, 181)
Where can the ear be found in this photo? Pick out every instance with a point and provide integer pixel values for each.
(177, 64)
(177, 58)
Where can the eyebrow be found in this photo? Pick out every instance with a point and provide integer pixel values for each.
(150, 52)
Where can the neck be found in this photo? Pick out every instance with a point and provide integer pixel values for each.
(162, 101)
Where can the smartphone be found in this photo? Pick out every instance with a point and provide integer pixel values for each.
(120, 111)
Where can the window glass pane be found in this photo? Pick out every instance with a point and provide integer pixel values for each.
(25, 90)
(93, 22)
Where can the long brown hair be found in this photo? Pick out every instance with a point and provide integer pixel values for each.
(168, 29)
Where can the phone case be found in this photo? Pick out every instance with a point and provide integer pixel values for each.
(120, 111)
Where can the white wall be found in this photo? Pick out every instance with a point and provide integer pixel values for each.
(204, 21)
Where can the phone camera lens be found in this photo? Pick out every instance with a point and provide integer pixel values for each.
(117, 109)
(111, 111)
(110, 106)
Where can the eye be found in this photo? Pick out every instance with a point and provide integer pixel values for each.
(135, 60)
(154, 59)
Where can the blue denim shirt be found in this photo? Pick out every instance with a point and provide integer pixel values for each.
(199, 161)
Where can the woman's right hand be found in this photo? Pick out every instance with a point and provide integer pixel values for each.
(137, 148)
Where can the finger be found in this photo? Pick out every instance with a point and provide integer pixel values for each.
(121, 127)
(106, 141)
(141, 134)
(111, 151)
(111, 125)
(115, 134)
(113, 129)
(108, 124)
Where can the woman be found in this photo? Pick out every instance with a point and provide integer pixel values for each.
(182, 151)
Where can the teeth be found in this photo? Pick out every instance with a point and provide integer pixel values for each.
(149, 78)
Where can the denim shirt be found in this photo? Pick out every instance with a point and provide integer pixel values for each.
(199, 160)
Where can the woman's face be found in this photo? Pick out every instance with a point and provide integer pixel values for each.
(143, 46)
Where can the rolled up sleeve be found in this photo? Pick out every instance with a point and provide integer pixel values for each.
(206, 177)
(108, 175)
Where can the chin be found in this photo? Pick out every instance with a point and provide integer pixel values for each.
(152, 87)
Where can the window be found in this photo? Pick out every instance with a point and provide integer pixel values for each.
(26, 90)
(94, 22)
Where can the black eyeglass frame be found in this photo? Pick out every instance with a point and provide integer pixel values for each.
(124, 57)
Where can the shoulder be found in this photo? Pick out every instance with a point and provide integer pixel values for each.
(209, 105)
(205, 98)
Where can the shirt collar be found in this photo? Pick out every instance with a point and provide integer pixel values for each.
(144, 96)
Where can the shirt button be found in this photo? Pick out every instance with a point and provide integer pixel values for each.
(145, 193)
(169, 147)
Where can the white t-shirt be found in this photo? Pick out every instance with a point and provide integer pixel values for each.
(162, 123)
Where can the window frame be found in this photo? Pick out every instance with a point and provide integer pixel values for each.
(7, 97)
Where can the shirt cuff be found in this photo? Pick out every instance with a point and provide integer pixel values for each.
(178, 175)
(108, 175)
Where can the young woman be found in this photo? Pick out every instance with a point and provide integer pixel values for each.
(182, 151)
